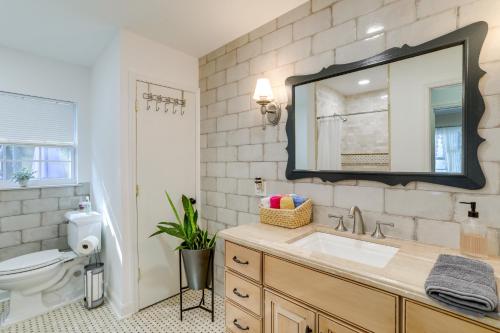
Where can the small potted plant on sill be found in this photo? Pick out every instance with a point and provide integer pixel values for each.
(196, 245)
(23, 176)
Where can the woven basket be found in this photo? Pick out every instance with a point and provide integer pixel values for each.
(287, 218)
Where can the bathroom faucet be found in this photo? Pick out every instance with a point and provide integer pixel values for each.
(358, 227)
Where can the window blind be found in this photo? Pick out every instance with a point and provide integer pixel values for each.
(26, 119)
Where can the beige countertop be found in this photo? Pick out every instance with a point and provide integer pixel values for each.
(404, 275)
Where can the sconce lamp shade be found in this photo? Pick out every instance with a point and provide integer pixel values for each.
(263, 91)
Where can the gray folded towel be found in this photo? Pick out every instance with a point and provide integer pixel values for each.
(463, 283)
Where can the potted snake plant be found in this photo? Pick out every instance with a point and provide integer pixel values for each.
(196, 245)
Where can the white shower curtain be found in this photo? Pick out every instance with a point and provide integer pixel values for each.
(329, 143)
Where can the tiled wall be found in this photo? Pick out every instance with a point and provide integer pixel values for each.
(32, 219)
(366, 133)
(235, 149)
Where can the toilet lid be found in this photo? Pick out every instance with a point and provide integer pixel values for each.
(29, 261)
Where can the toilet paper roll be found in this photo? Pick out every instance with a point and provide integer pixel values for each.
(88, 245)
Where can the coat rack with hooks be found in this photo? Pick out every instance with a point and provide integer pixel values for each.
(154, 102)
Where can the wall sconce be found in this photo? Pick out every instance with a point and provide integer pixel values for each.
(264, 97)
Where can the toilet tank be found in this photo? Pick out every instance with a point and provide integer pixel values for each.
(81, 225)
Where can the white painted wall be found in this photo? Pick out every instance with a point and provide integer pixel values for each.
(29, 74)
(106, 165)
(409, 91)
(113, 144)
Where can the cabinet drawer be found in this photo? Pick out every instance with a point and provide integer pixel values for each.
(421, 318)
(238, 320)
(243, 292)
(327, 325)
(366, 307)
(244, 260)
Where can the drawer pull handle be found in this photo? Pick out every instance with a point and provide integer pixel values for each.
(238, 261)
(235, 322)
(308, 329)
(237, 293)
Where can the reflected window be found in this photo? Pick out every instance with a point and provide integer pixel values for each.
(448, 149)
(446, 104)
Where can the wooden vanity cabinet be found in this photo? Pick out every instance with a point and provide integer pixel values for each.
(269, 294)
(361, 305)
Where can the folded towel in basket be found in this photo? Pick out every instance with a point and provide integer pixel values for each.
(286, 203)
(462, 283)
(298, 200)
(275, 201)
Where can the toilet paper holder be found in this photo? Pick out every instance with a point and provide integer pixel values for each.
(94, 281)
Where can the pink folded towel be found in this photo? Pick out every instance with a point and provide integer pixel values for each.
(275, 201)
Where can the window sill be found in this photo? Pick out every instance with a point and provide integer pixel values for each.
(33, 187)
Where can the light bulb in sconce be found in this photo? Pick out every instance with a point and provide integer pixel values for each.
(263, 91)
(263, 96)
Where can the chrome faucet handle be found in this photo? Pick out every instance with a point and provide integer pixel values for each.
(340, 225)
(378, 231)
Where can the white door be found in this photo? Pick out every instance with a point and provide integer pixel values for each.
(166, 161)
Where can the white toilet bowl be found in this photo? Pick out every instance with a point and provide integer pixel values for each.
(29, 277)
(41, 281)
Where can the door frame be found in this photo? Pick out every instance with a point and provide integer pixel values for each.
(131, 209)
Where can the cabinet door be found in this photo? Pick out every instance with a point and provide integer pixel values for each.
(283, 316)
(424, 319)
(327, 325)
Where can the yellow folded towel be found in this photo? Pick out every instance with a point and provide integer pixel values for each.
(287, 203)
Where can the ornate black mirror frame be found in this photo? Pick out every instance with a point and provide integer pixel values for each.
(471, 38)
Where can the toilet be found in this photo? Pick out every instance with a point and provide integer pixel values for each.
(42, 281)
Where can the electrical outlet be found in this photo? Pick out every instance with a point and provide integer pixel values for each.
(260, 187)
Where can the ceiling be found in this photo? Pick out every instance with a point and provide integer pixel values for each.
(347, 84)
(76, 31)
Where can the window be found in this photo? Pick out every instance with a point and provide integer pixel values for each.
(448, 149)
(37, 134)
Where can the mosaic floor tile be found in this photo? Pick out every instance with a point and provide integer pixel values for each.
(161, 317)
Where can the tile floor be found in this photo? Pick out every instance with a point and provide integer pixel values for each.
(162, 317)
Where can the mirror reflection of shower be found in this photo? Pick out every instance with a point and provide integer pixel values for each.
(405, 116)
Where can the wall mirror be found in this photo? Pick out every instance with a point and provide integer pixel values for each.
(407, 114)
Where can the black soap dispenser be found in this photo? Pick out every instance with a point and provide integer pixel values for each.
(473, 234)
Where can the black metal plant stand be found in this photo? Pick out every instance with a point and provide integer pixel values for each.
(182, 289)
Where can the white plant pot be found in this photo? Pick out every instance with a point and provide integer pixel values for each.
(23, 183)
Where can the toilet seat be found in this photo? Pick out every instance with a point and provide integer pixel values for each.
(29, 262)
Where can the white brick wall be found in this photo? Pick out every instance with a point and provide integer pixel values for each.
(312, 24)
(330, 39)
(302, 41)
(277, 39)
(33, 219)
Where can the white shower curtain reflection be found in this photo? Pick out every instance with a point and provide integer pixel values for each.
(329, 143)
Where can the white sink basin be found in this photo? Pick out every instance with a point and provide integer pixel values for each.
(367, 253)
